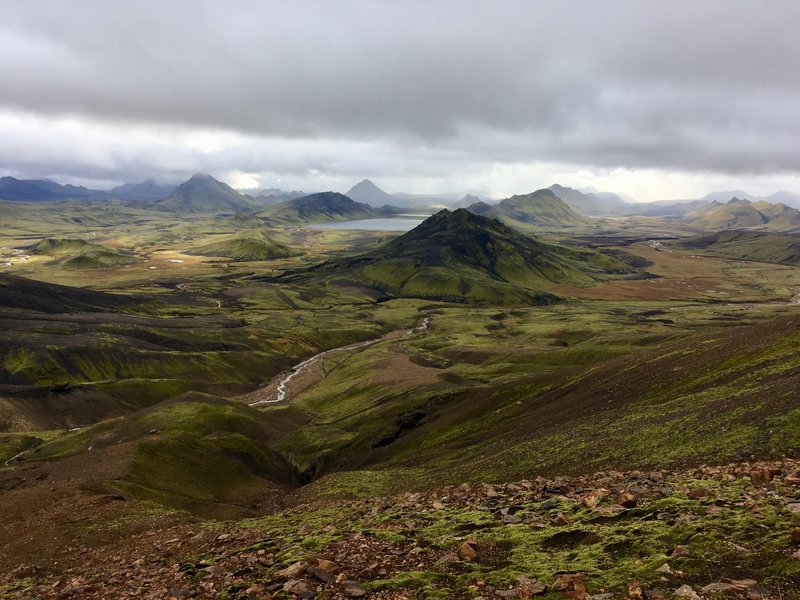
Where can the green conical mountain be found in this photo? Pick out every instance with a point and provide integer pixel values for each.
(203, 194)
(319, 208)
(462, 257)
(245, 246)
(541, 208)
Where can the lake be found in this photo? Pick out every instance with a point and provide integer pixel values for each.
(397, 224)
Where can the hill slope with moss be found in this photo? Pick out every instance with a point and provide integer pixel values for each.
(320, 208)
(541, 208)
(462, 257)
(245, 247)
(743, 214)
(748, 245)
(203, 194)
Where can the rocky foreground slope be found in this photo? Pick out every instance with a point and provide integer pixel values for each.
(711, 532)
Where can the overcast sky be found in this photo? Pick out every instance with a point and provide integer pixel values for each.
(651, 98)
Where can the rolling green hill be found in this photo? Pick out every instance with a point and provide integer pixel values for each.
(79, 255)
(320, 208)
(748, 245)
(461, 257)
(541, 208)
(20, 292)
(244, 247)
(743, 214)
(203, 194)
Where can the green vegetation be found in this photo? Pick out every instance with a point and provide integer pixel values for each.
(541, 208)
(249, 246)
(462, 257)
(203, 194)
(748, 245)
(743, 214)
(319, 208)
(495, 356)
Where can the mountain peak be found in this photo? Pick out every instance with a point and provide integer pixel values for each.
(459, 256)
(369, 193)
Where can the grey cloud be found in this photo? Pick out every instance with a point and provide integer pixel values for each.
(684, 85)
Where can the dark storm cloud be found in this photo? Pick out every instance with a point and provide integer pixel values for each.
(682, 85)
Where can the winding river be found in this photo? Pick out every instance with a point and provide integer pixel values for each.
(281, 390)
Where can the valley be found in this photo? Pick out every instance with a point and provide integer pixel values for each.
(255, 403)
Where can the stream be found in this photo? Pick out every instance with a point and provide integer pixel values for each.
(281, 391)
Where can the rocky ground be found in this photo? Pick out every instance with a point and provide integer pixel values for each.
(711, 532)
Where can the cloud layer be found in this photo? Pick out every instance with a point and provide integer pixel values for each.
(433, 90)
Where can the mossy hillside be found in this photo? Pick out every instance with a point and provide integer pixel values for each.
(188, 452)
(580, 404)
(11, 444)
(731, 530)
(318, 208)
(747, 245)
(64, 247)
(250, 246)
(541, 208)
(462, 257)
(202, 449)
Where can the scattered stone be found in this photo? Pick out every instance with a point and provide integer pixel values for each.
(718, 587)
(700, 493)
(296, 586)
(257, 590)
(562, 519)
(321, 574)
(448, 559)
(627, 499)
(569, 582)
(293, 570)
(678, 551)
(664, 569)
(793, 479)
(595, 497)
(467, 552)
(760, 475)
(686, 591)
(214, 570)
(796, 535)
(634, 591)
(743, 584)
(353, 590)
(793, 507)
(511, 519)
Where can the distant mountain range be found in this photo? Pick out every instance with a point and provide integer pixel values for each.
(592, 204)
(146, 190)
(38, 190)
(322, 207)
(463, 257)
(204, 194)
(369, 193)
(738, 213)
(541, 208)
